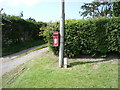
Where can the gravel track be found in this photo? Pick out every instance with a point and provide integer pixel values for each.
(11, 64)
(12, 56)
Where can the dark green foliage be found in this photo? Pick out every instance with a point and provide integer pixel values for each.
(13, 48)
(92, 36)
(17, 30)
(116, 9)
(96, 9)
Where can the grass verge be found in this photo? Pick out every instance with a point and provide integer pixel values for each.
(21, 46)
(43, 72)
(44, 46)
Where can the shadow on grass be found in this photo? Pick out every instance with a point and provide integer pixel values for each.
(85, 62)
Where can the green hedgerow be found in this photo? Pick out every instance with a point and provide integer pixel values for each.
(92, 36)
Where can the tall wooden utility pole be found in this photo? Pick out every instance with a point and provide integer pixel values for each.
(62, 24)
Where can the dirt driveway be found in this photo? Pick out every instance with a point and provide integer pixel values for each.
(11, 64)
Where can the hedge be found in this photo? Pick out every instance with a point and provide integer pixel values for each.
(92, 36)
(17, 30)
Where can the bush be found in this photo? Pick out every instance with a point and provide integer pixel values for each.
(16, 30)
(92, 36)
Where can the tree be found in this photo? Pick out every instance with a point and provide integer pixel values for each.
(21, 14)
(116, 9)
(96, 9)
(1, 10)
(31, 19)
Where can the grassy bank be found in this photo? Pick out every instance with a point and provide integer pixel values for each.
(43, 72)
(38, 48)
(20, 46)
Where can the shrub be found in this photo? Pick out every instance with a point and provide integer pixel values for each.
(17, 30)
(92, 36)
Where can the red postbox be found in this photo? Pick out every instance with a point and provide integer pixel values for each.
(56, 38)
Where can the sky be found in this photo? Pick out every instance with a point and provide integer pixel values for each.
(43, 10)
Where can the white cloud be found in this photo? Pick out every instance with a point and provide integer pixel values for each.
(19, 2)
(2, 1)
(26, 2)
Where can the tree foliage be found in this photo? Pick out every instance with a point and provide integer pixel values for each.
(96, 9)
(116, 9)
